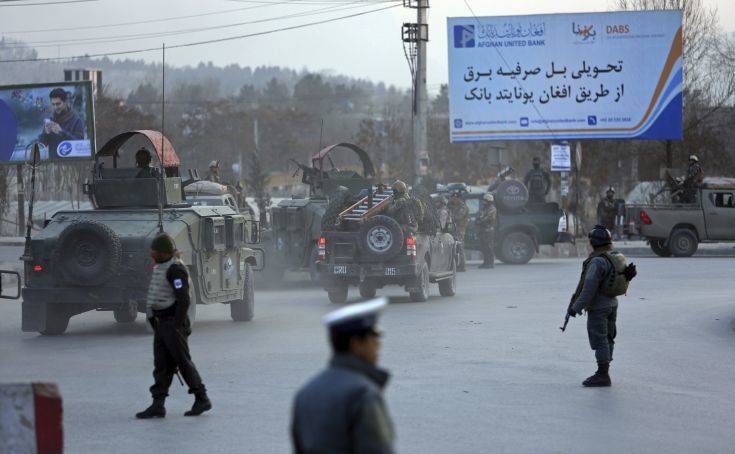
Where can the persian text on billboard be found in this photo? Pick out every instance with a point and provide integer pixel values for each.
(566, 76)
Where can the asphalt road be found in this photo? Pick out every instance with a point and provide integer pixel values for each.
(485, 371)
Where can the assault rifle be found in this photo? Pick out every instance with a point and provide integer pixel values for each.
(566, 317)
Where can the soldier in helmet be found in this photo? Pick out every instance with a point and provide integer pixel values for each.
(342, 410)
(402, 207)
(607, 210)
(213, 174)
(460, 218)
(605, 275)
(487, 219)
(442, 211)
(693, 180)
(168, 304)
(538, 182)
(143, 162)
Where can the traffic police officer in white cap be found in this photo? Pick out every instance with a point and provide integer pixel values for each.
(342, 408)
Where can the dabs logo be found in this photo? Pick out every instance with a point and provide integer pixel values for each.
(584, 33)
(464, 36)
(458, 123)
(64, 149)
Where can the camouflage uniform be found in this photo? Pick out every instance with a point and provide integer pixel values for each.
(487, 220)
(606, 212)
(460, 217)
(694, 179)
(402, 210)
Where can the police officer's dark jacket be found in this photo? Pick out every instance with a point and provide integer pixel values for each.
(595, 270)
(341, 410)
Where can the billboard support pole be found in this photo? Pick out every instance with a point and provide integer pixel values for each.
(27, 256)
(21, 199)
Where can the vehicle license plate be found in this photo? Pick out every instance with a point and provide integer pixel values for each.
(391, 271)
(340, 269)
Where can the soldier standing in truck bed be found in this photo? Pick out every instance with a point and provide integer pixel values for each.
(538, 182)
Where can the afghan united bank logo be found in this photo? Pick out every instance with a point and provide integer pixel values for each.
(64, 149)
(464, 36)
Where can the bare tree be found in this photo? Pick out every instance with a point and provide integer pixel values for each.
(709, 77)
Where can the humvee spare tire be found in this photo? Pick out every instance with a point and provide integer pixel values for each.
(87, 253)
(511, 195)
(380, 238)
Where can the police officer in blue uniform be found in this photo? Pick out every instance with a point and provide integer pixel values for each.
(341, 410)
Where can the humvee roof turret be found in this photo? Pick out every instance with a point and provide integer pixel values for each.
(296, 222)
(99, 259)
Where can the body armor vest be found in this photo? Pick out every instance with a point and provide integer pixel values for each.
(160, 293)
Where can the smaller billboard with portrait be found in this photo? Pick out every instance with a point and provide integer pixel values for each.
(59, 116)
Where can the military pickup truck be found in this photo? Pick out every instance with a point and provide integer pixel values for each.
(677, 228)
(98, 259)
(371, 250)
(522, 227)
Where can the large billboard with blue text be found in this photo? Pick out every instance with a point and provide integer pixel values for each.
(59, 117)
(566, 76)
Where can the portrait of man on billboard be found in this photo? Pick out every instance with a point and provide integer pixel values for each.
(64, 123)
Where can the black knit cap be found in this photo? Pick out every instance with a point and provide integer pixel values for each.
(163, 243)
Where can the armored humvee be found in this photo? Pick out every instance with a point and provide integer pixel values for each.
(296, 222)
(99, 259)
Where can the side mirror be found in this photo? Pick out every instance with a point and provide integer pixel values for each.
(9, 280)
(87, 188)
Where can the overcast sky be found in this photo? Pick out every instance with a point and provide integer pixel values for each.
(367, 46)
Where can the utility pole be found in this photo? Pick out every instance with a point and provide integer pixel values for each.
(417, 35)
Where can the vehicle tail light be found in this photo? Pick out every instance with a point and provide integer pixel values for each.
(322, 248)
(645, 218)
(37, 268)
(411, 247)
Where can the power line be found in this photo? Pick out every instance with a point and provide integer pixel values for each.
(62, 2)
(136, 36)
(153, 21)
(147, 21)
(199, 43)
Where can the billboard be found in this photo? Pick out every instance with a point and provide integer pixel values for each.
(566, 76)
(59, 116)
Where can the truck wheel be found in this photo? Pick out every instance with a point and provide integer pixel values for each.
(126, 313)
(367, 290)
(517, 248)
(448, 287)
(421, 293)
(380, 239)
(683, 243)
(338, 295)
(659, 248)
(242, 310)
(57, 320)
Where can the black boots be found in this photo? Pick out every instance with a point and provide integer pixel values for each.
(156, 410)
(201, 404)
(601, 377)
